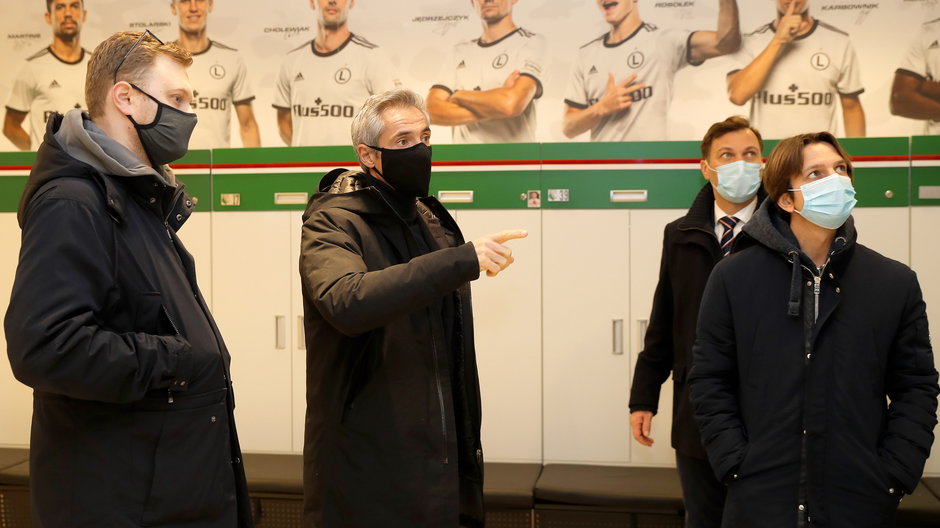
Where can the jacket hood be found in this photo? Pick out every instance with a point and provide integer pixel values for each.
(74, 146)
(770, 227)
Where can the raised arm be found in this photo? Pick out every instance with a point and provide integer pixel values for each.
(726, 39)
(617, 97)
(744, 83)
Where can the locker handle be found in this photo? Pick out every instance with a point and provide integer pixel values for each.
(280, 332)
(455, 196)
(620, 196)
(618, 336)
(301, 336)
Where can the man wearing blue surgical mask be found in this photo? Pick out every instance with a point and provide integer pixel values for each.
(813, 378)
(133, 410)
(731, 162)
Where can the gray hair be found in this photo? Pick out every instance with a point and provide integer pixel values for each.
(368, 124)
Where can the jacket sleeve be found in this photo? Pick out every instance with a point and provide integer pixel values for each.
(655, 361)
(355, 300)
(911, 385)
(714, 380)
(57, 335)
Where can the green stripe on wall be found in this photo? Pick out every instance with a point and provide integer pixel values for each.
(11, 188)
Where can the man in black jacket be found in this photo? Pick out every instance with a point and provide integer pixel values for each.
(133, 410)
(813, 378)
(731, 157)
(393, 400)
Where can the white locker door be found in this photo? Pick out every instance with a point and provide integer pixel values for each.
(646, 245)
(586, 314)
(925, 256)
(17, 398)
(196, 235)
(298, 347)
(251, 272)
(508, 334)
(886, 230)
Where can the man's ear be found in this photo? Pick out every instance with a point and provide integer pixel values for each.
(785, 202)
(366, 155)
(122, 98)
(48, 17)
(703, 165)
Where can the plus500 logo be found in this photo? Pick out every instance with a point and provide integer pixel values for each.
(798, 98)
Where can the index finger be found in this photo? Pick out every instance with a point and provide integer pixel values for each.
(791, 8)
(511, 234)
(626, 82)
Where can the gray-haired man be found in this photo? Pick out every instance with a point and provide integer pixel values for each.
(393, 400)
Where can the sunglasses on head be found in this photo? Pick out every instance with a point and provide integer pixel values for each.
(129, 50)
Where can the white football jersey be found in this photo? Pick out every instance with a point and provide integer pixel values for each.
(474, 65)
(654, 55)
(46, 84)
(923, 62)
(802, 91)
(325, 90)
(219, 82)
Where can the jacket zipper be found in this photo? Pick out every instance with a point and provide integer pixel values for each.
(440, 396)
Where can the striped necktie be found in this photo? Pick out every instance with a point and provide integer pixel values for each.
(728, 222)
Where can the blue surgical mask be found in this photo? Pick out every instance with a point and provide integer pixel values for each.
(738, 181)
(828, 202)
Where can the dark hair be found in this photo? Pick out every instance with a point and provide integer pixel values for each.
(108, 55)
(786, 161)
(49, 5)
(721, 128)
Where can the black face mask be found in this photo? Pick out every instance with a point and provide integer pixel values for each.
(166, 139)
(407, 170)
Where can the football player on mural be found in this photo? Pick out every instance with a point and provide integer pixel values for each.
(799, 70)
(52, 80)
(621, 85)
(324, 81)
(493, 81)
(218, 78)
(916, 89)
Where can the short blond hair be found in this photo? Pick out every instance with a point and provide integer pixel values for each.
(107, 56)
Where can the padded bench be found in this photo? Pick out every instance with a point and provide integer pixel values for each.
(275, 483)
(588, 496)
(15, 509)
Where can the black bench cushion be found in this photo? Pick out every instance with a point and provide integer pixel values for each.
(509, 485)
(11, 456)
(634, 488)
(16, 475)
(274, 473)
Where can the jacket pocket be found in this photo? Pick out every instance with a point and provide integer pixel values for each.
(193, 477)
(152, 317)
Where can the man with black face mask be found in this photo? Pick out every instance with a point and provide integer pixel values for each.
(133, 409)
(393, 400)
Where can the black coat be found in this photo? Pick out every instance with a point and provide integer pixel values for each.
(690, 251)
(791, 399)
(393, 400)
(132, 417)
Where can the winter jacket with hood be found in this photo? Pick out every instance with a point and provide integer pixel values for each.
(815, 391)
(393, 401)
(133, 408)
(690, 251)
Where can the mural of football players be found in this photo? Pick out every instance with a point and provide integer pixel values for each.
(52, 80)
(218, 77)
(916, 89)
(799, 71)
(492, 81)
(621, 85)
(323, 82)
